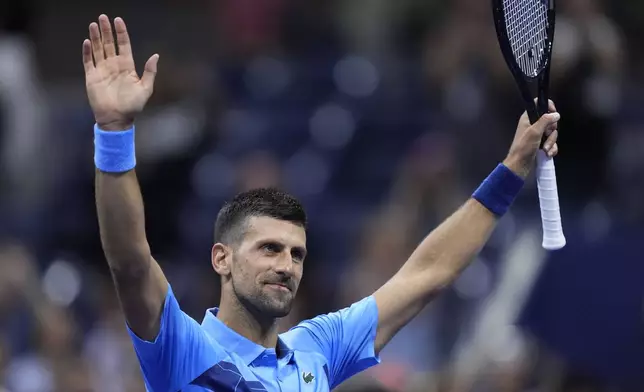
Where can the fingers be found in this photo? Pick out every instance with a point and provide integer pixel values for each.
(551, 106)
(88, 63)
(122, 38)
(107, 36)
(551, 128)
(102, 45)
(97, 46)
(548, 120)
(550, 145)
(150, 72)
(553, 151)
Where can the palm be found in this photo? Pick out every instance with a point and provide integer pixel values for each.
(115, 91)
(114, 87)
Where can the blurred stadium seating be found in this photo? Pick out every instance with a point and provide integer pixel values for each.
(382, 116)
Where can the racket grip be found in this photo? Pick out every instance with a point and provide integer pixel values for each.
(553, 236)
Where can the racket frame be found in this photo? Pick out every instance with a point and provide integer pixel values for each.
(542, 78)
(553, 237)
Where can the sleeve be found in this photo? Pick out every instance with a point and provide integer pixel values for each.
(346, 339)
(180, 352)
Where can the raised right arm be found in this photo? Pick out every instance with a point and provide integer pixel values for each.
(116, 95)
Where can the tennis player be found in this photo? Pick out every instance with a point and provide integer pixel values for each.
(259, 252)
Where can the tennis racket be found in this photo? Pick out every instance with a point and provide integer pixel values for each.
(525, 29)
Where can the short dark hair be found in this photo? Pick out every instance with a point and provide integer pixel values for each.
(269, 202)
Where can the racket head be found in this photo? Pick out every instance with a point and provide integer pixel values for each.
(525, 30)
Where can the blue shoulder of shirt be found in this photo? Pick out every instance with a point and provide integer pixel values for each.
(346, 339)
(180, 353)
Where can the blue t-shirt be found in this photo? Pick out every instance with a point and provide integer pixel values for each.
(316, 355)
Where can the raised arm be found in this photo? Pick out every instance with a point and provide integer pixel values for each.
(448, 249)
(116, 94)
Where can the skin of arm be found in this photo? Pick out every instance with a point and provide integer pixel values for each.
(449, 249)
(116, 94)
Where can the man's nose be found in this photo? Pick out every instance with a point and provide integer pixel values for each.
(284, 264)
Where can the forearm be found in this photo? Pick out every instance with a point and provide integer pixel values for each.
(435, 263)
(121, 220)
(449, 248)
(444, 253)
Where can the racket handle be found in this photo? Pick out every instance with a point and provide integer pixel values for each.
(553, 236)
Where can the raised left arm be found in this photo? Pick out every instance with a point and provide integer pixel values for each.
(449, 248)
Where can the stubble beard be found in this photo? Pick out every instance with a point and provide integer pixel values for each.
(263, 304)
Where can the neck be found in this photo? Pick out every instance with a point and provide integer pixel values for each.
(248, 324)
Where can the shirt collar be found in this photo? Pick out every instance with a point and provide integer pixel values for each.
(233, 342)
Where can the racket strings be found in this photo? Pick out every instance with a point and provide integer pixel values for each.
(527, 27)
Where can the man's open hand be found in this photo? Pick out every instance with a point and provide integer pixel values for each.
(115, 91)
(527, 141)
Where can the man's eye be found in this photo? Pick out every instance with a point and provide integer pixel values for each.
(272, 248)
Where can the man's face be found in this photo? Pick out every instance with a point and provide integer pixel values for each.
(268, 264)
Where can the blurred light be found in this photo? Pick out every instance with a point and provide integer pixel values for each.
(213, 176)
(61, 283)
(332, 126)
(307, 172)
(242, 125)
(505, 345)
(29, 374)
(267, 77)
(568, 46)
(604, 37)
(475, 281)
(356, 76)
(595, 222)
(505, 232)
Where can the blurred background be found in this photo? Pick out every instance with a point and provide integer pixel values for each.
(383, 117)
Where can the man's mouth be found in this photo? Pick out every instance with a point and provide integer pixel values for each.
(279, 286)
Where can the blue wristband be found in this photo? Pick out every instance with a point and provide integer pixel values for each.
(114, 150)
(499, 190)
